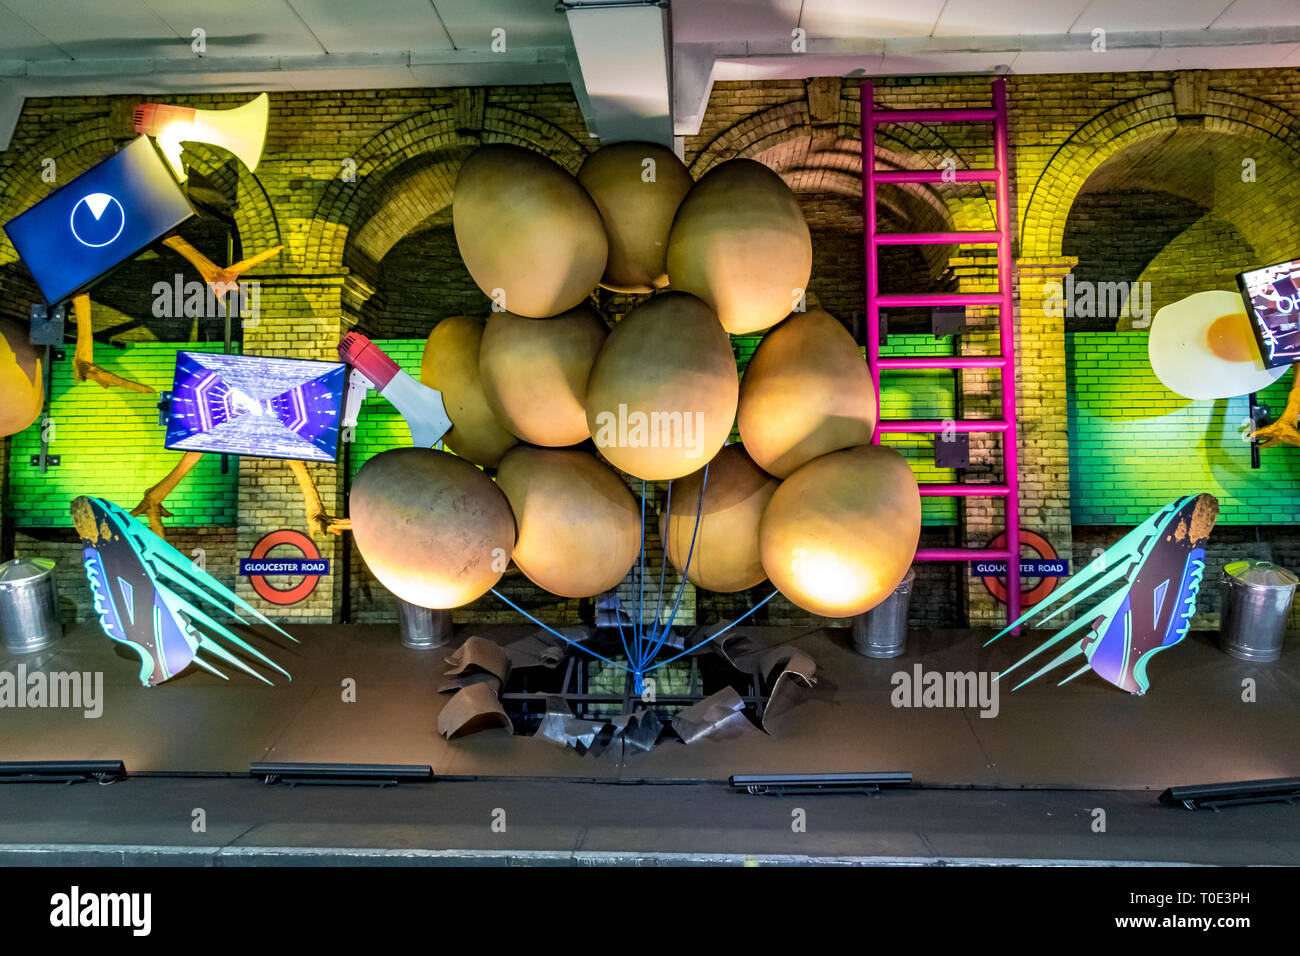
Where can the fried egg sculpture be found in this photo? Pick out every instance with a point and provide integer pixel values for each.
(1202, 347)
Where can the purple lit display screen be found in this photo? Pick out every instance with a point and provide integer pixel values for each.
(1272, 297)
(256, 406)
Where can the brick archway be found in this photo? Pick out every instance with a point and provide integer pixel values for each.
(1053, 194)
(404, 175)
(814, 159)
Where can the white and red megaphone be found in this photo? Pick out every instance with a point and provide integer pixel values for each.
(420, 405)
(241, 130)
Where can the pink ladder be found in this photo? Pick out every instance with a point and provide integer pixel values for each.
(1005, 361)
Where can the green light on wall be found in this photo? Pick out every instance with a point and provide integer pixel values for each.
(1135, 445)
(110, 445)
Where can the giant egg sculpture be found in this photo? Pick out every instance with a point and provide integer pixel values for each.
(435, 530)
(740, 243)
(451, 365)
(530, 236)
(724, 556)
(535, 372)
(22, 387)
(840, 533)
(579, 526)
(661, 399)
(807, 391)
(637, 188)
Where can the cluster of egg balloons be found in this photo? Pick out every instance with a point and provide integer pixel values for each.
(804, 500)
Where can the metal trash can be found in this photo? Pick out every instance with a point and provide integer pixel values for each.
(882, 631)
(423, 628)
(1256, 602)
(29, 617)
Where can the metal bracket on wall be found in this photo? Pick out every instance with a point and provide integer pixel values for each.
(47, 324)
(947, 320)
(952, 451)
(44, 461)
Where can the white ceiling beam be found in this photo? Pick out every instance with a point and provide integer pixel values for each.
(20, 79)
(697, 66)
(622, 50)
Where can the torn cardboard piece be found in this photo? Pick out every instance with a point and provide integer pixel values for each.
(642, 730)
(542, 648)
(479, 654)
(554, 720)
(460, 681)
(472, 709)
(719, 712)
(797, 676)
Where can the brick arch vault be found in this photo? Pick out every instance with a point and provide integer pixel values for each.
(404, 175)
(1052, 195)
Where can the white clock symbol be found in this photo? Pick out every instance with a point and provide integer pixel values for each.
(103, 215)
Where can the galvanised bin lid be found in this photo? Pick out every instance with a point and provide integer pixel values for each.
(21, 570)
(1261, 574)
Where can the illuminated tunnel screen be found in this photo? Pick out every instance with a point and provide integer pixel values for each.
(256, 406)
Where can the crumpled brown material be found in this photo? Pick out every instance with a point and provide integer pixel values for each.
(482, 655)
(472, 709)
(798, 671)
(542, 648)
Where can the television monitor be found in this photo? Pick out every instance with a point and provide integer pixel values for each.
(79, 233)
(1272, 296)
(256, 406)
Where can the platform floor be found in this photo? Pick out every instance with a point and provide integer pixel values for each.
(148, 821)
(1193, 727)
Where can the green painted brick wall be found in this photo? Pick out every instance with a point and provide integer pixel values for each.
(379, 425)
(925, 395)
(1135, 445)
(111, 445)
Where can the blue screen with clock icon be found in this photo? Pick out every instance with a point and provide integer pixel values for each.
(106, 216)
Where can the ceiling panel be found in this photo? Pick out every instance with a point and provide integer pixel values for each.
(1007, 17)
(528, 23)
(123, 28)
(1220, 58)
(878, 19)
(1114, 61)
(19, 41)
(1259, 13)
(1116, 16)
(709, 21)
(374, 26)
(242, 27)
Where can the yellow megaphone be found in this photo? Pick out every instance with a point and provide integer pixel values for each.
(241, 130)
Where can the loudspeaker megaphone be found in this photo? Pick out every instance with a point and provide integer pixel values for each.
(241, 130)
(421, 406)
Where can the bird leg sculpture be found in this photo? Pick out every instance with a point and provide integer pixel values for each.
(317, 519)
(1284, 429)
(152, 502)
(84, 358)
(221, 279)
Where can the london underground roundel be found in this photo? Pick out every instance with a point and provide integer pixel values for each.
(97, 220)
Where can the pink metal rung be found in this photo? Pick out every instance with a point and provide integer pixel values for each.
(1005, 361)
